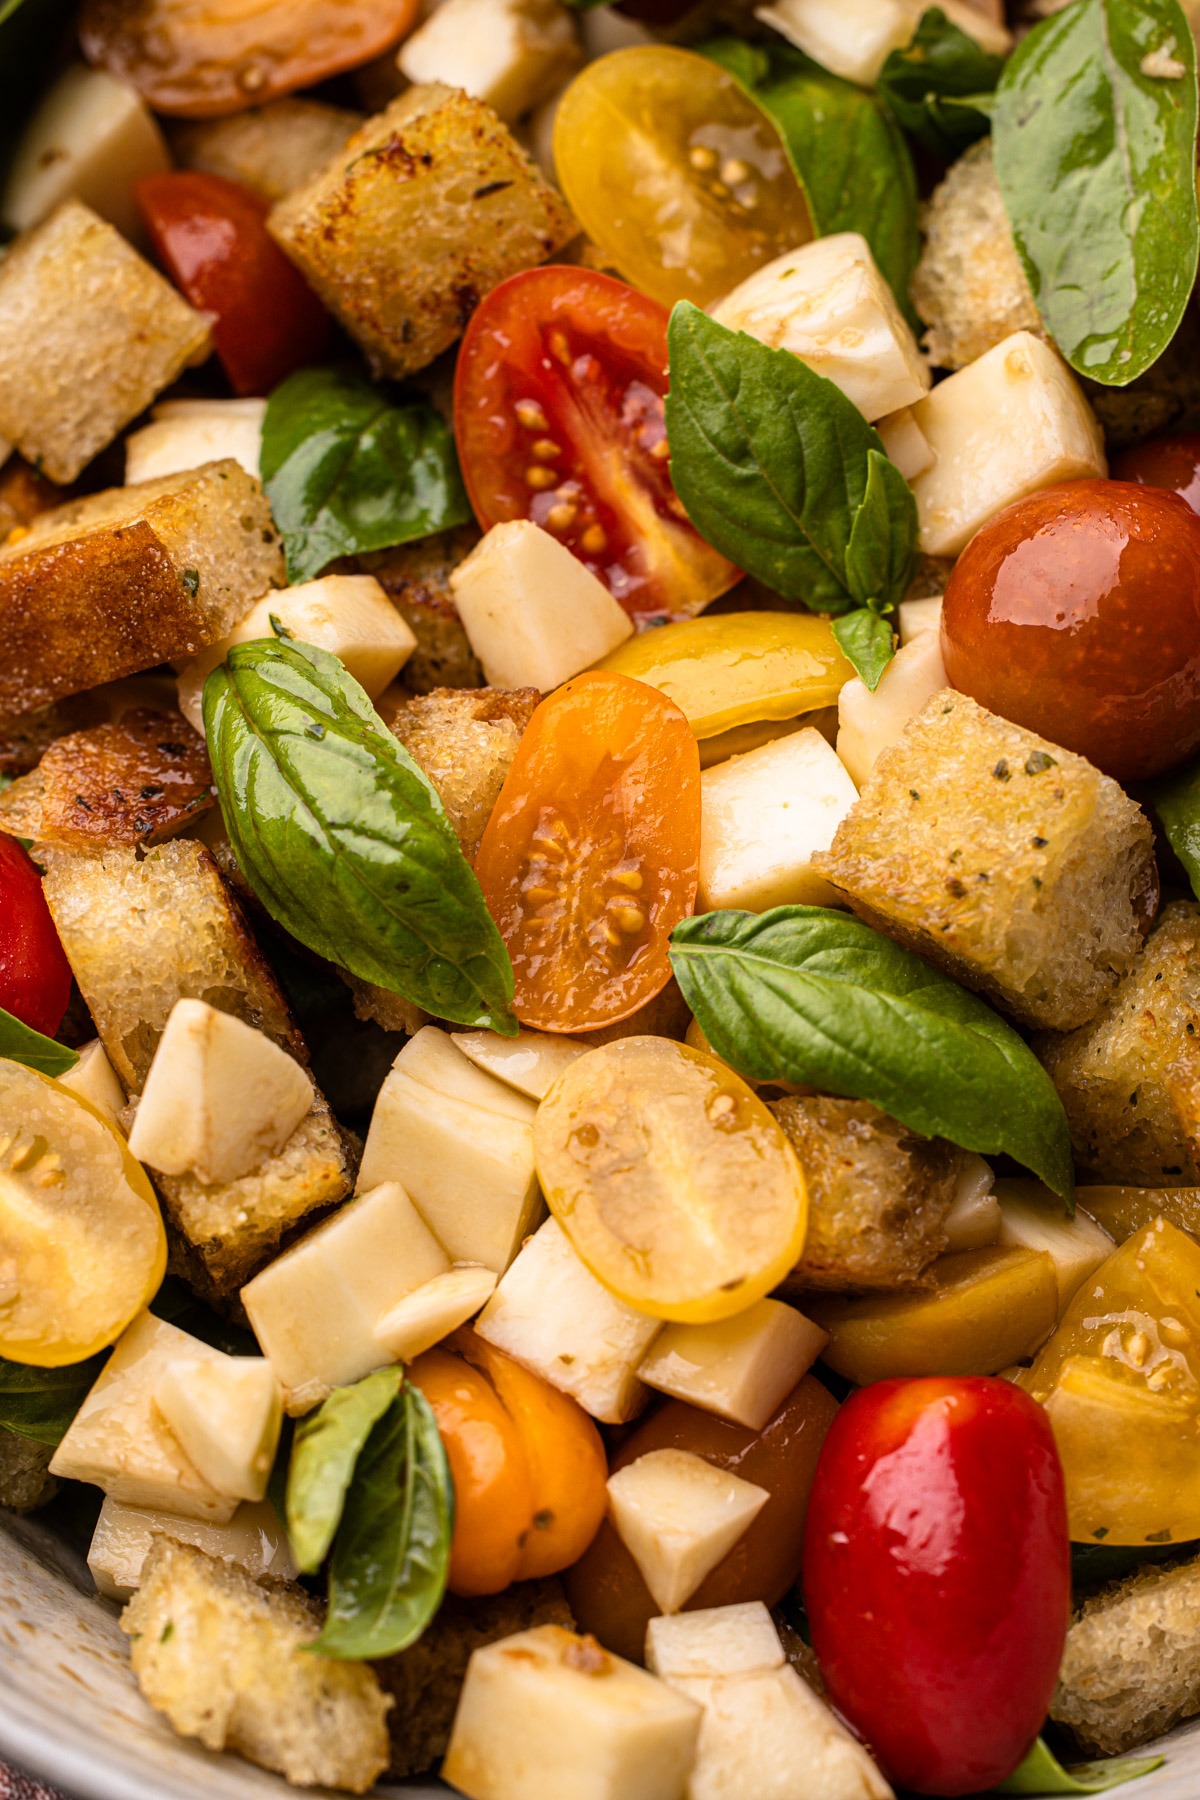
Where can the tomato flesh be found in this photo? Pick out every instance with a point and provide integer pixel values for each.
(211, 236)
(937, 1576)
(558, 415)
(35, 976)
(1167, 462)
(1076, 613)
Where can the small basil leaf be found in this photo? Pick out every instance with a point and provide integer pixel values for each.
(325, 1453)
(41, 1403)
(345, 471)
(21, 1044)
(392, 1551)
(781, 473)
(1042, 1773)
(1096, 160)
(344, 839)
(866, 642)
(936, 84)
(1176, 800)
(809, 995)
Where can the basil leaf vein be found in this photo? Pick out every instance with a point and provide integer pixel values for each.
(938, 85)
(325, 1453)
(810, 995)
(20, 1043)
(41, 1403)
(1042, 1773)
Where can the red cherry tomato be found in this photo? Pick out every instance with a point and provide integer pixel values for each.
(937, 1576)
(211, 235)
(35, 976)
(558, 416)
(1167, 462)
(1076, 612)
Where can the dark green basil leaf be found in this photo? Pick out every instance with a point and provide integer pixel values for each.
(848, 155)
(1176, 800)
(344, 839)
(866, 641)
(1042, 1773)
(809, 995)
(41, 1403)
(392, 1551)
(939, 83)
(346, 471)
(1096, 160)
(21, 1044)
(325, 1453)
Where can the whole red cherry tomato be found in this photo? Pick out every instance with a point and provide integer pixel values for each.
(1166, 462)
(1076, 613)
(212, 237)
(35, 976)
(937, 1576)
(558, 417)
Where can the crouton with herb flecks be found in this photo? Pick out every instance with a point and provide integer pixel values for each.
(465, 740)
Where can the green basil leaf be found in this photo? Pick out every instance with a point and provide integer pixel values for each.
(781, 473)
(866, 641)
(809, 995)
(1042, 1773)
(325, 1453)
(21, 1044)
(392, 1551)
(344, 839)
(1096, 160)
(938, 85)
(1176, 800)
(41, 1403)
(848, 155)
(346, 471)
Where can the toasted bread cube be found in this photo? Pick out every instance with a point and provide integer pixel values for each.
(228, 1417)
(1003, 859)
(431, 1312)
(742, 1368)
(273, 149)
(531, 1062)
(1005, 426)
(513, 54)
(379, 232)
(1033, 1218)
(186, 434)
(764, 818)
(855, 37)
(679, 1516)
(125, 1535)
(25, 1478)
(546, 1715)
(465, 740)
(117, 582)
(1130, 1079)
(229, 1662)
(868, 722)
(94, 1080)
(906, 444)
(416, 579)
(90, 334)
(828, 304)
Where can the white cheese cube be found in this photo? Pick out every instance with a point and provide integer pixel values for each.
(90, 139)
(1032, 1217)
(828, 303)
(227, 1416)
(531, 1062)
(119, 1441)
(433, 1057)
(431, 1312)
(1010, 423)
(220, 1098)
(547, 1715)
(868, 722)
(679, 1516)
(124, 1536)
(186, 434)
(534, 615)
(715, 1640)
(511, 53)
(854, 38)
(763, 818)
(973, 1222)
(94, 1080)
(905, 443)
(315, 1308)
(740, 1368)
(916, 616)
(552, 1315)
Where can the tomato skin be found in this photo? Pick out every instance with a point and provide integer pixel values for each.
(937, 1576)
(35, 976)
(1166, 462)
(211, 235)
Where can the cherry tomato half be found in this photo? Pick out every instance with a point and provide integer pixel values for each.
(1076, 613)
(35, 976)
(590, 857)
(1167, 462)
(558, 417)
(937, 1576)
(211, 235)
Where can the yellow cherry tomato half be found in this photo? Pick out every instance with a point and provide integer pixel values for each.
(674, 173)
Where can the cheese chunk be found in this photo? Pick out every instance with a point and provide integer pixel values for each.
(905, 443)
(186, 434)
(973, 1222)
(511, 53)
(431, 1312)
(124, 1537)
(534, 615)
(740, 1368)
(714, 1640)
(94, 1080)
(679, 1516)
(868, 722)
(828, 303)
(1033, 1218)
(531, 1062)
(915, 616)
(854, 38)
(227, 1416)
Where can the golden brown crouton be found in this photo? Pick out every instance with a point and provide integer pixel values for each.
(1003, 859)
(1130, 1080)
(1131, 1666)
(225, 1658)
(465, 740)
(90, 334)
(878, 1194)
(123, 580)
(416, 579)
(25, 1479)
(426, 209)
(273, 149)
(23, 495)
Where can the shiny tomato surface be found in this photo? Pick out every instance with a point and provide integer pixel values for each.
(35, 977)
(1166, 462)
(937, 1576)
(558, 417)
(1076, 613)
(212, 238)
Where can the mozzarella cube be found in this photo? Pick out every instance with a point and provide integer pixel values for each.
(1007, 425)
(531, 1062)
(829, 305)
(227, 1416)
(973, 1222)
(764, 816)
(119, 1441)
(550, 1314)
(431, 1312)
(547, 1715)
(124, 1536)
(739, 1368)
(94, 1080)
(868, 722)
(854, 38)
(315, 1308)
(220, 1099)
(905, 443)
(679, 1516)
(916, 616)
(186, 434)
(511, 53)
(715, 1640)
(1032, 1217)
(534, 615)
